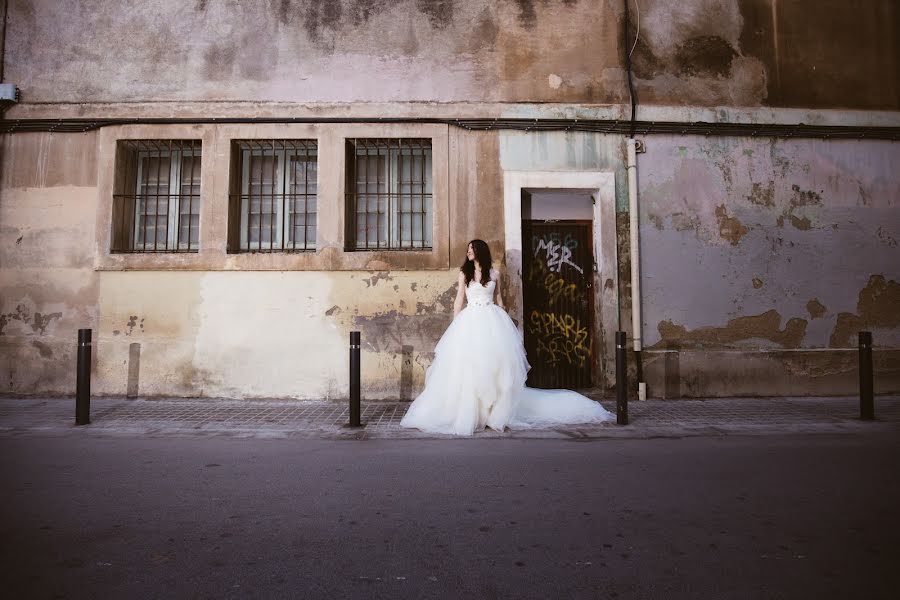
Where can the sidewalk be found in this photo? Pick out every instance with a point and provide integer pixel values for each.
(204, 417)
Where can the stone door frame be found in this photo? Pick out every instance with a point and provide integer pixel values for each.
(602, 186)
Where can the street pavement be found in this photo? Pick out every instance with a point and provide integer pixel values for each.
(727, 517)
(278, 418)
(741, 498)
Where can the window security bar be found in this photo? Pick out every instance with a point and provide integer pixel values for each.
(157, 207)
(274, 192)
(389, 194)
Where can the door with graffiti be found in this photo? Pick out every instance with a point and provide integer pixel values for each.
(557, 269)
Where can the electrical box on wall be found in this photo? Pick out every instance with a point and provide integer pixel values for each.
(9, 95)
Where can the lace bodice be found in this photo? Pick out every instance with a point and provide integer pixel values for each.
(480, 295)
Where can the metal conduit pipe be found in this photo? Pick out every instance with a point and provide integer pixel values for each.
(636, 318)
(607, 126)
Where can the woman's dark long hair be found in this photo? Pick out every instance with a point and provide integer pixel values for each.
(483, 257)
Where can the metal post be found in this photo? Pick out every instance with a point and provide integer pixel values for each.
(866, 387)
(83, 379)
(621, 380)
(354, 379)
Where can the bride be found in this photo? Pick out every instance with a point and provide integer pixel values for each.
(477, 379)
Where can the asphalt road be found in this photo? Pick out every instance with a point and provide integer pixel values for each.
(801, 516)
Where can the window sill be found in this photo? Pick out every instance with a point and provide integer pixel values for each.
(151, 252)
(324, 259)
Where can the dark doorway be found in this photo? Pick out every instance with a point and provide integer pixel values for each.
(557, 269)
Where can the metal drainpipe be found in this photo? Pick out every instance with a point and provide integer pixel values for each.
(636, 319)
(5, 11)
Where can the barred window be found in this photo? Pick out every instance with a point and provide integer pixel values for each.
(274, 186)
(389, 190)
(156, 207)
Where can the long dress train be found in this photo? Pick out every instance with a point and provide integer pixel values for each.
(477, 379)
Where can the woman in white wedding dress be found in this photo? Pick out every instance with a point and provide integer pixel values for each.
(477, 379)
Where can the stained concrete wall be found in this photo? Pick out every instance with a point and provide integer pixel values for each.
(211, 323)
(761, 259)
(813, 53)
(810, 54)
(312, 50)
(268, 334)
(49, 288)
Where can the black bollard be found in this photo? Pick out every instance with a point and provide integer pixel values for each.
(83, 379)
(354, 380)
(866, 387)
(621, 380)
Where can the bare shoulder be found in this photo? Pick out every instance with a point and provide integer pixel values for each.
(495, 274)
(461, 278)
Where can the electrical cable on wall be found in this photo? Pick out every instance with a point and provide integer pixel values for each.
(605, 126)
(637, 33)
(631, 93)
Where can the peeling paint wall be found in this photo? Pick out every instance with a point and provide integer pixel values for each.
(313, 51)
(164, 325)
(269, 334)
(476, 191)
(760, 258)
(771, 245)
(820, 54)
(760, 261)
(566, 151)
(830, 53)
(49, 287)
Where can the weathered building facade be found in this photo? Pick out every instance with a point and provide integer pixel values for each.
(222, 190)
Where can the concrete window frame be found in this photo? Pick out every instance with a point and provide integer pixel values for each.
(330, 253)
(133, 163)
(389, 165)
(281, 178)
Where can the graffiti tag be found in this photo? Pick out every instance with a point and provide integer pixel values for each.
(569, 242)
(557, 255)
(555, 286)
(560, 337)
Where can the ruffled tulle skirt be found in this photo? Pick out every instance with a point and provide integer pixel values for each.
(477, 380)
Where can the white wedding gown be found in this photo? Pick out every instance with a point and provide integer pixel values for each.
(477, 379)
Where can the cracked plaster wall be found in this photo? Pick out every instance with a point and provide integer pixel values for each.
(313, 51)
(269, 334)
(813, 53)
(771, 245)
(49, 287)
(210, 332)
(790, 245)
